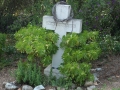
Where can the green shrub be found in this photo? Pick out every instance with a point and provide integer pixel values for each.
(21, 21)
(80, 51)
(2, 42)
(5, 22)
(102, 15)
(9, 45)
(33, 14)
(109, 44)
(3, 62)
(36, 42)
(28, 73)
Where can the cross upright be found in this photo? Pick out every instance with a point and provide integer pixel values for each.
(61, 28)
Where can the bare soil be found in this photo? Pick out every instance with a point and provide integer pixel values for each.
(109, 76)
(6, 75)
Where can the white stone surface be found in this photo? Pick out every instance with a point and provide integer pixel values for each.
(91, 88)
(95, 77)
(10, 86)
(74, 25)
(63, 11)
(55, 72)
(27, 87)
(79, 88)
(88, 83)
(98, 69)
(61, 28)
(40, 87)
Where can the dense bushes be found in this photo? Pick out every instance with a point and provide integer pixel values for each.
(80, 51)
(5, 22)
(36, 42)
(31, 73)
(2, 42)
(28, 73)
(8, 54)
(102, 15)
(109, 44)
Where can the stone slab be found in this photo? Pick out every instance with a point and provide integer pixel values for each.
(74, 25)
(63, 11)
(55, 72)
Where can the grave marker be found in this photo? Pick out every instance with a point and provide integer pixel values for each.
(61, 28)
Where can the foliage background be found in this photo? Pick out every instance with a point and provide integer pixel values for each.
(102, 15)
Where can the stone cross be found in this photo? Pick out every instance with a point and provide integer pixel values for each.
(61, 28)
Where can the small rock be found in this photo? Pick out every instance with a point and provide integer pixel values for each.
(98, 69)
(88, 83)
(91, 87)
(40, 87)
(19, 88)
(95, 83)
(59, 88)
(96, 74)
(79, 88)
(95, 77)
(10, 86)
(4, 83)
(93, 70)
(112, 77)
(14, 82)
(27, 87)
(73, 86)
(50, 89)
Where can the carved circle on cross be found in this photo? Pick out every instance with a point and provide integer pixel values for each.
(58, 12)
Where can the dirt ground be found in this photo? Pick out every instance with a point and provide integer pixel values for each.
(109, 76)
(6, 75)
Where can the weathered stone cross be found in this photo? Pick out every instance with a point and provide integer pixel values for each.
(61, 28)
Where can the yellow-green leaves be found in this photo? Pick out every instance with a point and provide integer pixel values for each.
(36, 41)
(80, 50)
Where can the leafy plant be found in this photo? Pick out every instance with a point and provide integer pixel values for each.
(36, 42)
(5, 21)
(102, 15)
(32, 14)
(9, 44)
(80, 51)
(109, 44)
(56, 82)
(8, 52)
(28, 73)
(2, 42)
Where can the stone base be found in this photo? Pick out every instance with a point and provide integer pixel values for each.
(55, 72)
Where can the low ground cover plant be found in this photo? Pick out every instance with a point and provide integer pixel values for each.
(28, 73)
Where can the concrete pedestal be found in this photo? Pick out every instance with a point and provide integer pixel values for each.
(55, 72)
